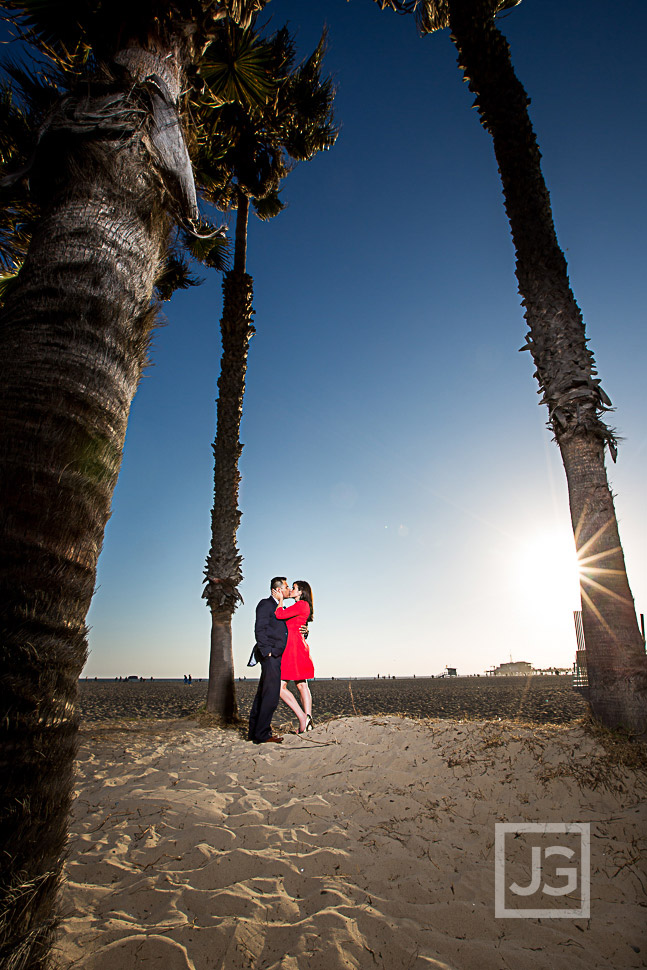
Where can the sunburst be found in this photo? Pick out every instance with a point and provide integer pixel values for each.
(546, 566)
(589, 571)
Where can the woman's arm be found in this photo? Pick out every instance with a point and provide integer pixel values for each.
(297, 609)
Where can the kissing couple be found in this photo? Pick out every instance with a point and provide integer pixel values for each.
(283, 654)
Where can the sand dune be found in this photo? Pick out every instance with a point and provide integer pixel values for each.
(370, 844)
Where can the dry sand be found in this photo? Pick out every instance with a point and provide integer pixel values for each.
(368, 843)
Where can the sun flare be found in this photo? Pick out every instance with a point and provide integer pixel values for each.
(548, 569)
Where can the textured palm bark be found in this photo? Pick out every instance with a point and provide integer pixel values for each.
(242, 219)
(223, 567)
(161, 71)
(73, 341)
(565, 366)
(618, 682)
(221, 693)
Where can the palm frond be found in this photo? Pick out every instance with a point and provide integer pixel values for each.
(432, 15)
(399, 6)
(307, 107)
(74, 31)
(175, 275)
(251, 144)
(8, 279)
(33, 91)
(14, 129)
(271, 115)
(236, 68)
(283, 50)
(243, 12)
(268, 207)
(18, 211)
(212, 249)
(53, 24)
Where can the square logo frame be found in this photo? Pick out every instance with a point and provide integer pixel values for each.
(501, 829)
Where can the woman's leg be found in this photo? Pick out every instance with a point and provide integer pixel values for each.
(306, 696)
(288, 698)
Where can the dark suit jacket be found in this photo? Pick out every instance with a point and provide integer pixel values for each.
(271, 634)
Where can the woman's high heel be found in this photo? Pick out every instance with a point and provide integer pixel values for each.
(309, 723)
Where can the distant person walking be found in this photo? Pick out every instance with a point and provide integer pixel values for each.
(271, 636)
(296, 663)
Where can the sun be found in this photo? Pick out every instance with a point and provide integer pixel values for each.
(548, 568)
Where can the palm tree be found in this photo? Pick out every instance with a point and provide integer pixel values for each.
(276, 115)
(109, 177)
(566, 373)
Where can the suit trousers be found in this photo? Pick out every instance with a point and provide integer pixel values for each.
(266, 700)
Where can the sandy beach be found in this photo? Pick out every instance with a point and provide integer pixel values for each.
(369, 842)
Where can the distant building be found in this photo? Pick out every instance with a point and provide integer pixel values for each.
(521, 668)
(516, 668)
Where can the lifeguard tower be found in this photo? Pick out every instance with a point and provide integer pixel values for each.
(580, 673)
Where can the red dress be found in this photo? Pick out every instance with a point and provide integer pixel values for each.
(296, 663)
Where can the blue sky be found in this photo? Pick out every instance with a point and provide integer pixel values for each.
(395, 453)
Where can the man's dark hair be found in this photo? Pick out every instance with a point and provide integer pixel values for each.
(278, 581)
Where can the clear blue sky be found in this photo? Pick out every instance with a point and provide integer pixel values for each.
(395, 453)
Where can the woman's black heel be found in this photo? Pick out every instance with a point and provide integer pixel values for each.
(309, 723)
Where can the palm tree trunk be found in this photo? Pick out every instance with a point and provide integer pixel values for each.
(73, 340)
(618, 686)
(221, 692)
(565, 369)
(242, 218)
(223, 567)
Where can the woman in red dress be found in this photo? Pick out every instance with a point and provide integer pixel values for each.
(296, 663)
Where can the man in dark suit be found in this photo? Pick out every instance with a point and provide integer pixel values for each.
(271, 637)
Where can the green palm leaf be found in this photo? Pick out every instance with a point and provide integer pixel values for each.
(236, 68)
(274, 115)
(211, 248)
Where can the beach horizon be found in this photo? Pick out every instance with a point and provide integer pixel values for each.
(545, 699)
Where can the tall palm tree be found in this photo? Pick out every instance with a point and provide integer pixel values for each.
(277, 114)
(110, 176)
(566, 373)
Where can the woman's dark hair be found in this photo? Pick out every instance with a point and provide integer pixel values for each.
(306, 594)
